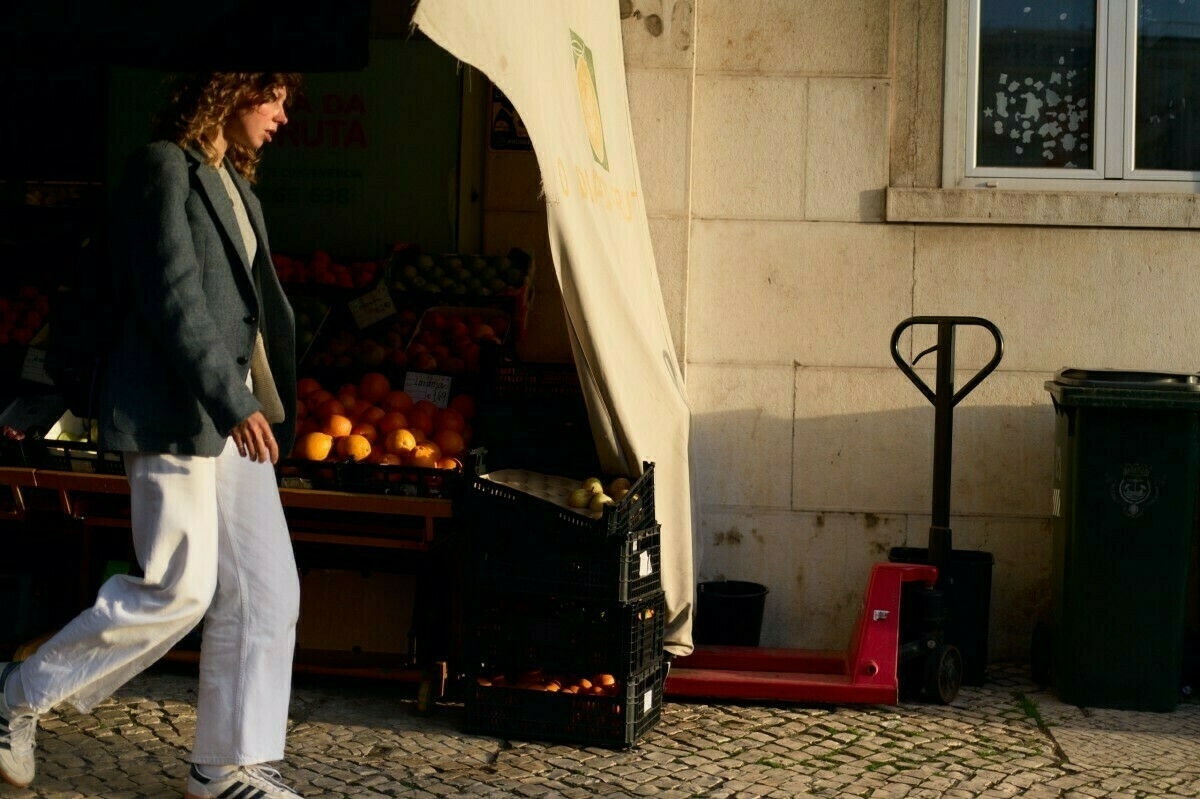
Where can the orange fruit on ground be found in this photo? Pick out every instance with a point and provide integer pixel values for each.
(392, 420)
(450, 442)
(449, 463)
(373, 387)
(349, 402)
(390, 459)
(314, 446)
(425, 455)
(421, 421)
(337, 426)
(464, 404)
(449, 419)
(399, 442)
(371, 414)
(331, 407)
(418, 434)
(348, 388)
(306, 386)
(366, 430)
(314, 400)
(353, 446)
(426, 406)
(397, 400)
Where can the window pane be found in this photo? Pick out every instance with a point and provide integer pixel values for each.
(1167, 125)
(1036, 83)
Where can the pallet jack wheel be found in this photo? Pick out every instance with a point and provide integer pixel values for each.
(943, 674)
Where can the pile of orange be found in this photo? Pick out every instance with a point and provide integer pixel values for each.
(373, 422)
(537, 679)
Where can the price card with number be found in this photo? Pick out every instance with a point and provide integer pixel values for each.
(33, 368)
(435, 388)
(372, 306)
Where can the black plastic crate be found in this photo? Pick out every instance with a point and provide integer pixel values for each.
(13, 452)
(301, 473)
(404, 481)
(568, 635)
(74, 456)
(496, 504)
(543, 384)
(371, 478)
(565, 567)
(616, 721)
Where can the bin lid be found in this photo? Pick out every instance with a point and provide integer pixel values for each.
(1116, 388)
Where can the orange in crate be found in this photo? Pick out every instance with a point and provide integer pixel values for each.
(354, 447)
(337, 426)
(400, 442)
(450, 442)
(373, 387)
(314, 446)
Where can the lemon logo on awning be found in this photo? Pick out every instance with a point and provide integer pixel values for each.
(589, 100)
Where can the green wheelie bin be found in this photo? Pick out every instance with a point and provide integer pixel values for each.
(1126, 465)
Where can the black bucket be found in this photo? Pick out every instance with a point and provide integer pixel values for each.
(729, 613)
(968, 585)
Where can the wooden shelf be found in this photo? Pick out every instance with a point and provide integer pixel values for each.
(16, 478)
(314, 516)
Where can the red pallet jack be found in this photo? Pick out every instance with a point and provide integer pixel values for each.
(878, 666)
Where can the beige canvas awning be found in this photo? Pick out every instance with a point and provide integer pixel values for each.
(561, 64)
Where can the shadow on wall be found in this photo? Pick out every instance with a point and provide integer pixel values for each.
(824, 498)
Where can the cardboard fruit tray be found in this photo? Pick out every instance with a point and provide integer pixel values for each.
(519, 499)
(610, 721)
(585, 637)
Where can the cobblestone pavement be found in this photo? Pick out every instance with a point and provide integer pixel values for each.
(356, 739)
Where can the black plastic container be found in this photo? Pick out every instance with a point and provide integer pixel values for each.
(729, 612)
(1126, 468)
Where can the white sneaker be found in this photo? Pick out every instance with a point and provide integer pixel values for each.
(17, 726)
(248, 782)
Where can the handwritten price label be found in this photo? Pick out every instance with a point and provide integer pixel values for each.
(435, 388)
(372, 306)
(33, 368)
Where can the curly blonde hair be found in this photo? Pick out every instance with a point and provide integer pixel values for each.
(203, 102)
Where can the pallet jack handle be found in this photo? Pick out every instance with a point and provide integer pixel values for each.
(944, 398)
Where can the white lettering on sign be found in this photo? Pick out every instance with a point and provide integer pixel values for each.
(372, 306)
(435, 388)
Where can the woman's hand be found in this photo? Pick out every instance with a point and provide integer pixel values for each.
(255, 440)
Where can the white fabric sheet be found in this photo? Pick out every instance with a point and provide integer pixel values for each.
(561, 64)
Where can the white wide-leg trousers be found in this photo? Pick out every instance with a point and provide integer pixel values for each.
(212, 542)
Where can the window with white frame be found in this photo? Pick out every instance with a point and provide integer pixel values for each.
(1077, 94)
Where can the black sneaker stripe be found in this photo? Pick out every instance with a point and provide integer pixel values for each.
(240, 790)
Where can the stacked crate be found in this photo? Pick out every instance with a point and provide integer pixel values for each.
(565, 622)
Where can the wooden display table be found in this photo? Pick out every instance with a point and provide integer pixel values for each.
(335, 518)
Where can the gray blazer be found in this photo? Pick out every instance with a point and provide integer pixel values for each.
(175, 380)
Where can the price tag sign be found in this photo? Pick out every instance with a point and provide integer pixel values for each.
(435, 388)
(373, 306)
(34, 367)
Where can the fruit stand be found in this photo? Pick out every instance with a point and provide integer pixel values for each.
(409, 364)
(373, 480)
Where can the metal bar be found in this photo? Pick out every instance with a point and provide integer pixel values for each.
(940, 537)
